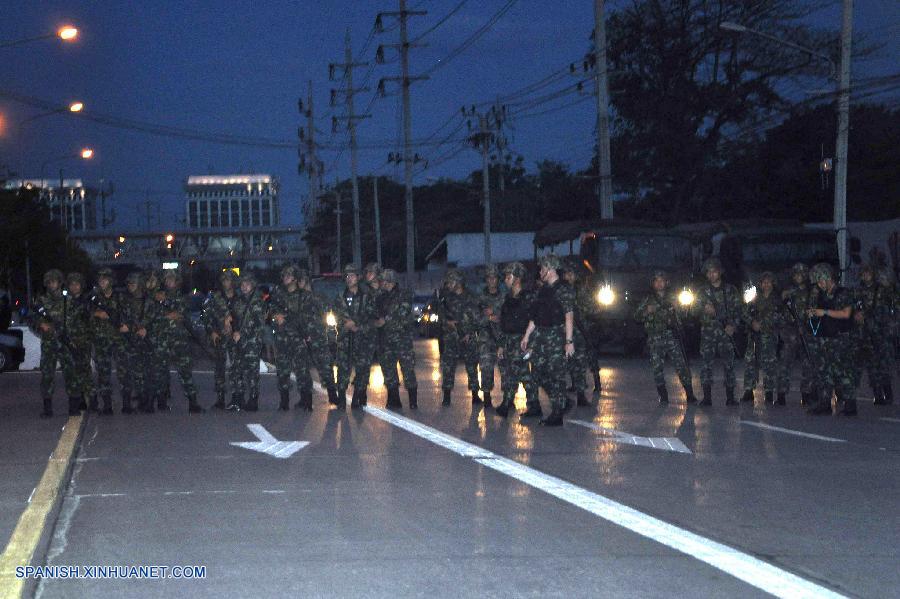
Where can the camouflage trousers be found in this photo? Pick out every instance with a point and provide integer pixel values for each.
(455, 349)
(515, 371)
(320, 356)
(487, 359)
(354, 354)
(176, 351)
(579, 363)
(394, 350)
(106, 351)
(713, 341)
(53, 352)
(665, 348)
(138, 361)
(793, 353)
(548, 362)
(220, 365)
(872, 354)
(762, 354)
(291, 355)
(244, 373)
(834, 366)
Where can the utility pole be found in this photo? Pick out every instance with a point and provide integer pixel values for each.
(483, 139)
(337, 211)
(843, 130)
(405, 81)
(377, 222)
(347, 67)
(604, 167)
(309, 162)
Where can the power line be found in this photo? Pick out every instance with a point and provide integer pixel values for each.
(472, 38)
(443, 20)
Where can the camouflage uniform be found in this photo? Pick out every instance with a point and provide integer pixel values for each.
(176, 341)
(291, 354)
(248, 320)
(313, 311)
(797, 299)
(459, 340)
(488, 333)
(215, 310)
(515, 312)
(663, 342)
(108, 341)
(762, 346)
(139, 312)
(354, 348)
(581, 361)
(394, 307)
(79, 381)
(157, 384)
(713, 339)
(871, 338)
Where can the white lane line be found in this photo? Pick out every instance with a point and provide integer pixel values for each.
(789, 431)
(747, 568)
(891, 419)
(663, 443)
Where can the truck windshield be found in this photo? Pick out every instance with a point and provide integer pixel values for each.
(638, 252)
(788, 251)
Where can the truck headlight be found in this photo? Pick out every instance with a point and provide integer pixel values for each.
(606, 296)
(686, 297)
(433, 317)
(749, 294)
(330, 320)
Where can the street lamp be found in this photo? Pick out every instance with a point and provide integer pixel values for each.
(738, 28)
(84, 154)
(66, 33)
(73, 107)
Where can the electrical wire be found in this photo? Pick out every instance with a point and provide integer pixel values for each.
(443, 20)
(474, 37)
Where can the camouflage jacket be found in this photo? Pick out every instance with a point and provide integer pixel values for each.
(249, 318)
(726, 301)
(358, 307)
(395, 307)
(461, 309)
(113, 306)
(663, 319)
(876, 302)
(290, 304)
(313, 311)
(68, 316)
(173, 301)
(215, 309)
(140, 312)
(493, 303)
(769, 311)
(800, 298)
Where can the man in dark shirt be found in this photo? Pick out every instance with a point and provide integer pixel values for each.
(515, 312)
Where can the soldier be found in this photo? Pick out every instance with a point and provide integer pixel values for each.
(659, 314)
(765, 315)
(580, 360)
(157, 387)
(797, 336)
(515, 312)
(79, 383)
(314, 312)
(489, 301)
(49, 324)
(215, 310)
(138, 316)
(720, 313)
(108, 329)
(871, 337)
(176, 340)
(355, 340)
(458, 311)
(831, 324)
(552, 323)
(395, 321)
(246, 328)
(290, 350)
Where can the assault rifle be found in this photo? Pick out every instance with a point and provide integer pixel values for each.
(58, 328)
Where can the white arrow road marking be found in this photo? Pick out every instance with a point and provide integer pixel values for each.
(664, 443)
(269, 445)
(788, 431)
(891, 419)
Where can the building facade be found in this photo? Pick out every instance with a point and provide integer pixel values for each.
(231, 201)
(71, 204)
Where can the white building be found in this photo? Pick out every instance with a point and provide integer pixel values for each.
(231, 201)
(74, 206)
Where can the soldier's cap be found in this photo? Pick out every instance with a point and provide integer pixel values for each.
(389, 275)
(53, 274)
(73, 277)
(135, 276)
(289, 270)
(767, 275)
(799, 268)
(712, 264)
(373, 267)
(550, 261)
(660, 274)
(516, 269)
(821, 272)
(490, 270)
(351, 269)
(453, 276)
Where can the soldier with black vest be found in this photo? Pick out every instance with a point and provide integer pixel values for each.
(515, 312)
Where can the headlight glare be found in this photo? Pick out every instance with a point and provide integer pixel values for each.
(686, 297)
(330, 319)
(749, 294)
(606, 296)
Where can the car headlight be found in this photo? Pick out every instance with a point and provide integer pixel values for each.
(686, 297)
(433, 318)
(330, 319)
(606, 296)
(749, 294)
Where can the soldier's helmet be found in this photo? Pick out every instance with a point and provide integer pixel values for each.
(660, 274)
(516, 269)
(453, 276)
(229, 275)
(351, 269)
(374, 268)
(767, 275)
(172, 274)
(247, 277)
(569, 265)
(868, 268)
(54, 274)
(550, 261)
(389, 275)
(289, 270)
(490, 270)
(106, 273)
(136, 277)
(821, 272)
(75, 277)
(800, 268)
(712, 264)
(302, 274)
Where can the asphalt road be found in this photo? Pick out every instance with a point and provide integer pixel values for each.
(632, 500)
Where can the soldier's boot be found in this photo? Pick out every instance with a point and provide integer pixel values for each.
(532, 410)
(747, 396)
(148, 403)
(333, 395)
(393, 399)
(781, 400)
(568, 404)
(583, 400)
(285, 404)
(340, 398)
(307, 396)
(597, 387)
(75, 405)
(162, 403)
(707, 396)
(356, 400)
(193, 406)
(47, 412)
(848, 405)
(253, 402)
(83, 405)
(488, 401)
(94, 404)
(126, 404)
(822, 405)
(220, 401)
(769, 398)
(505, 405)
(570, 389)
(689, 393)
(475, 399)
(888, 394)
(107, 405)
(804, 398)
(413, 393)
(554, 418)
(729, 396)
(662, 393)
(879, 395)
(235, 404)
(446, 400)
(363, 398)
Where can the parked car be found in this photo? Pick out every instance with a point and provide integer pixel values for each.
(12, 350)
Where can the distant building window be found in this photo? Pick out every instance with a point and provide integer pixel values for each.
(245, 213)
(235, 213)
(255, 212)
(214, 214)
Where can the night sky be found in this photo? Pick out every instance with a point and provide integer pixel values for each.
(238, 67)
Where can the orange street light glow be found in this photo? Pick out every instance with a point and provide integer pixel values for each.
(170, 238)
(87, 153)
(67, 33)
(76, 107)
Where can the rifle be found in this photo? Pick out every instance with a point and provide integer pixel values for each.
(115, 317)
(679, 335)
(723, 320)
(789, 303)
(168, 307)
(61, 335)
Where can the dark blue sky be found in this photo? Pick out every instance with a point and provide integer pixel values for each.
(238, 67)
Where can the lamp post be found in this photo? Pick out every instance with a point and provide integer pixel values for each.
(73, 107)
(84, 154)
(843, 128)
(66, 33)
